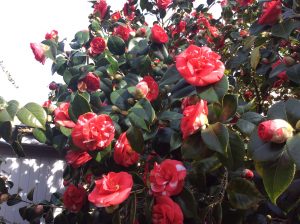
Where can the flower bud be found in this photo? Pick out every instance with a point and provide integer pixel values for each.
(276, 130)
(248, 174)
(53, 86)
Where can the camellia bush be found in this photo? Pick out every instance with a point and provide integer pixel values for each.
(191, 119)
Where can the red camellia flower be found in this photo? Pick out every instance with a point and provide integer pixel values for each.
(92, 82)
(61, 115)
(244, 3)
(270, 13)
(123, 32)
(93, 132)
(39, 51)
(77, 158)
(200, 66)
(116, 16)
(276, 130)
(163, 4)
(52, 35)
(167, 178)
(148, 88)
(189, 100)
(112, 189)
(159, 35)
(98, 45)
(124, 155)
(101, 8)
(281, 75)
(129, 10)
(166, 211)
(194, 117)
(74, 198)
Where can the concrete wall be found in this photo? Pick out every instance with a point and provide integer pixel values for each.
(42, 168)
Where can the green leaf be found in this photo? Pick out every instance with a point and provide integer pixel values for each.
(116, 45)
(82, 37)
(229, 107)
(3, 103)
(255, 57)
(6, 131)
(187, 203)
(170, 115)
(263, 151)
(30, 194)
(14, 199)
(149, 111)
(293, 148)
(18, 149)
(277, 175)
(51, 51)
(242, 194)
(236, 152)
(10, 111)
(194, 148)
(133, 205)
(293, 73)
(136, 119)
(248, 122)
(59, 142)
(114, 65)
(182, 89)
(135, 138)
(176, 141)
(285, 28)
(216, 137)
(171, 76)
(120, 98)
(214, 92)
(65, 131)
(33, 115)
(40, 135)
(79, 105)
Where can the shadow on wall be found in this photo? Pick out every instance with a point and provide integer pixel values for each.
(41, 170)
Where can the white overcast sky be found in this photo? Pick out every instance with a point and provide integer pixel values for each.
(23, 22)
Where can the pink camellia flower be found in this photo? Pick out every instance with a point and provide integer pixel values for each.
(123, 32)
(166, 211)
(92, 82)
(194, 118)
(270, 13)
(148, 88)
(124, 155)
(61, 115)
(101, 8)
(163, 4)
(167, 178)
(74, 198)
(200, 66)
(39, 50)
(276, 130)
(52, 35)
(159, 35)
(98, 45)
(112, 189)
(77, 158)
(93, 132)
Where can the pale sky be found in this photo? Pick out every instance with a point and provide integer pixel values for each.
(23, 22)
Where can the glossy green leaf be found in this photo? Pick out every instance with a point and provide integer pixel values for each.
(229, 107)
(171, 76)
(293, 149)
(14, 199)
(33, 115)
(285, 28)
(116, 45)
(277, 175)
(79, 105)
(255, 57)
(214, 92)
(216, 137)
(187, 203)
(170, 115)
(194, 148)
(6, 131)
(248, 122)
(242, 194)
(120, 98)
(10, 111)
(40, 135)
(135, 138)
